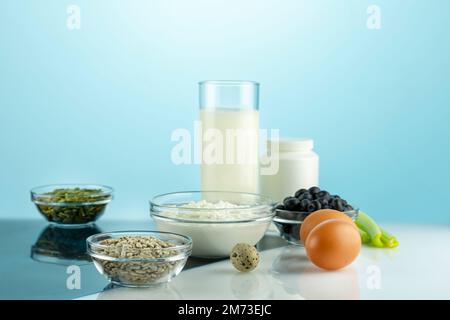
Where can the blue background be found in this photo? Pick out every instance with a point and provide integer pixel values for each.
(99, 104)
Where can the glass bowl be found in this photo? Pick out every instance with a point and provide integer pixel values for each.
(71, 204)
(289, 223)
(139, 266)
(214, 230)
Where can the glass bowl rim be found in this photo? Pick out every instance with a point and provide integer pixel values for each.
(38, 193)
(353, 214)
(267, 204)
(185, 248)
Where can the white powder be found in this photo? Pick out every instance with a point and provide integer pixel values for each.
(220, 211)
(215, 239)
(211, 205)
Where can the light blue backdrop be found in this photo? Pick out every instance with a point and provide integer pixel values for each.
(99, 104)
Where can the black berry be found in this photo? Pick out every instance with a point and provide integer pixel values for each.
(300, 192)
(324, 195)
(307, 196)
(337, 204)
(312, 199)
(314, 190)
(317, 205)
(311, 207)
(291, 203)
(324, 202)
(287, 199)
(304, 204)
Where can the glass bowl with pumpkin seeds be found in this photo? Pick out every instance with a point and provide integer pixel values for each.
(72, 204)
(139, 258)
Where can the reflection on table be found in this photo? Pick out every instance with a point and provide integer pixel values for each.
(292, 270)
(63, 245)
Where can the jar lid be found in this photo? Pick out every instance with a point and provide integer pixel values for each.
(300, 144)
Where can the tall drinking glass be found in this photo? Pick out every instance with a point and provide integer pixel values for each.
(230, 135)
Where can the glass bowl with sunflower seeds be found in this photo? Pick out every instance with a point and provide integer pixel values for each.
(72, 204)
(139, 258)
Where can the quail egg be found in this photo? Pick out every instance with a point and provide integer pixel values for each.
(244, 257)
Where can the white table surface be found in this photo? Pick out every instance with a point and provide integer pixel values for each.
(418, 269)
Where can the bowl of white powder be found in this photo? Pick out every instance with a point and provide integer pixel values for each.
(215, 220)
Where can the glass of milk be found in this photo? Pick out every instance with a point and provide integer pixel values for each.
(229, 136)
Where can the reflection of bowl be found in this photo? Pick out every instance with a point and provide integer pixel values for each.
(214, 231)
(139, 266)
(71, 204)
(160, 292)
(290, 222)
(65, 246)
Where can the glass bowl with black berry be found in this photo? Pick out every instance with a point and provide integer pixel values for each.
(290, 214)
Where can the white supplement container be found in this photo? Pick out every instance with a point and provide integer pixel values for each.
(298, 168)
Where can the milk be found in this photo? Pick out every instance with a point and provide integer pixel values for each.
(230, 149)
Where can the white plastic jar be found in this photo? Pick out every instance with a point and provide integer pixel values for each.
(298, 167)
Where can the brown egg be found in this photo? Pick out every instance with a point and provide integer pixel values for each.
(320, 216)
(333, 244)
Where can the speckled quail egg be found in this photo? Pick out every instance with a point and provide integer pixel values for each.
(244, 257)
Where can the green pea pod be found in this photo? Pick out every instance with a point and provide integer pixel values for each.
(365, 239)
(388, 239)
(368, 225)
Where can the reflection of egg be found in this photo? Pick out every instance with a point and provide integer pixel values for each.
(320, 216)
(333, 244)
(287, 267)
(250, 286)
(315, 284)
